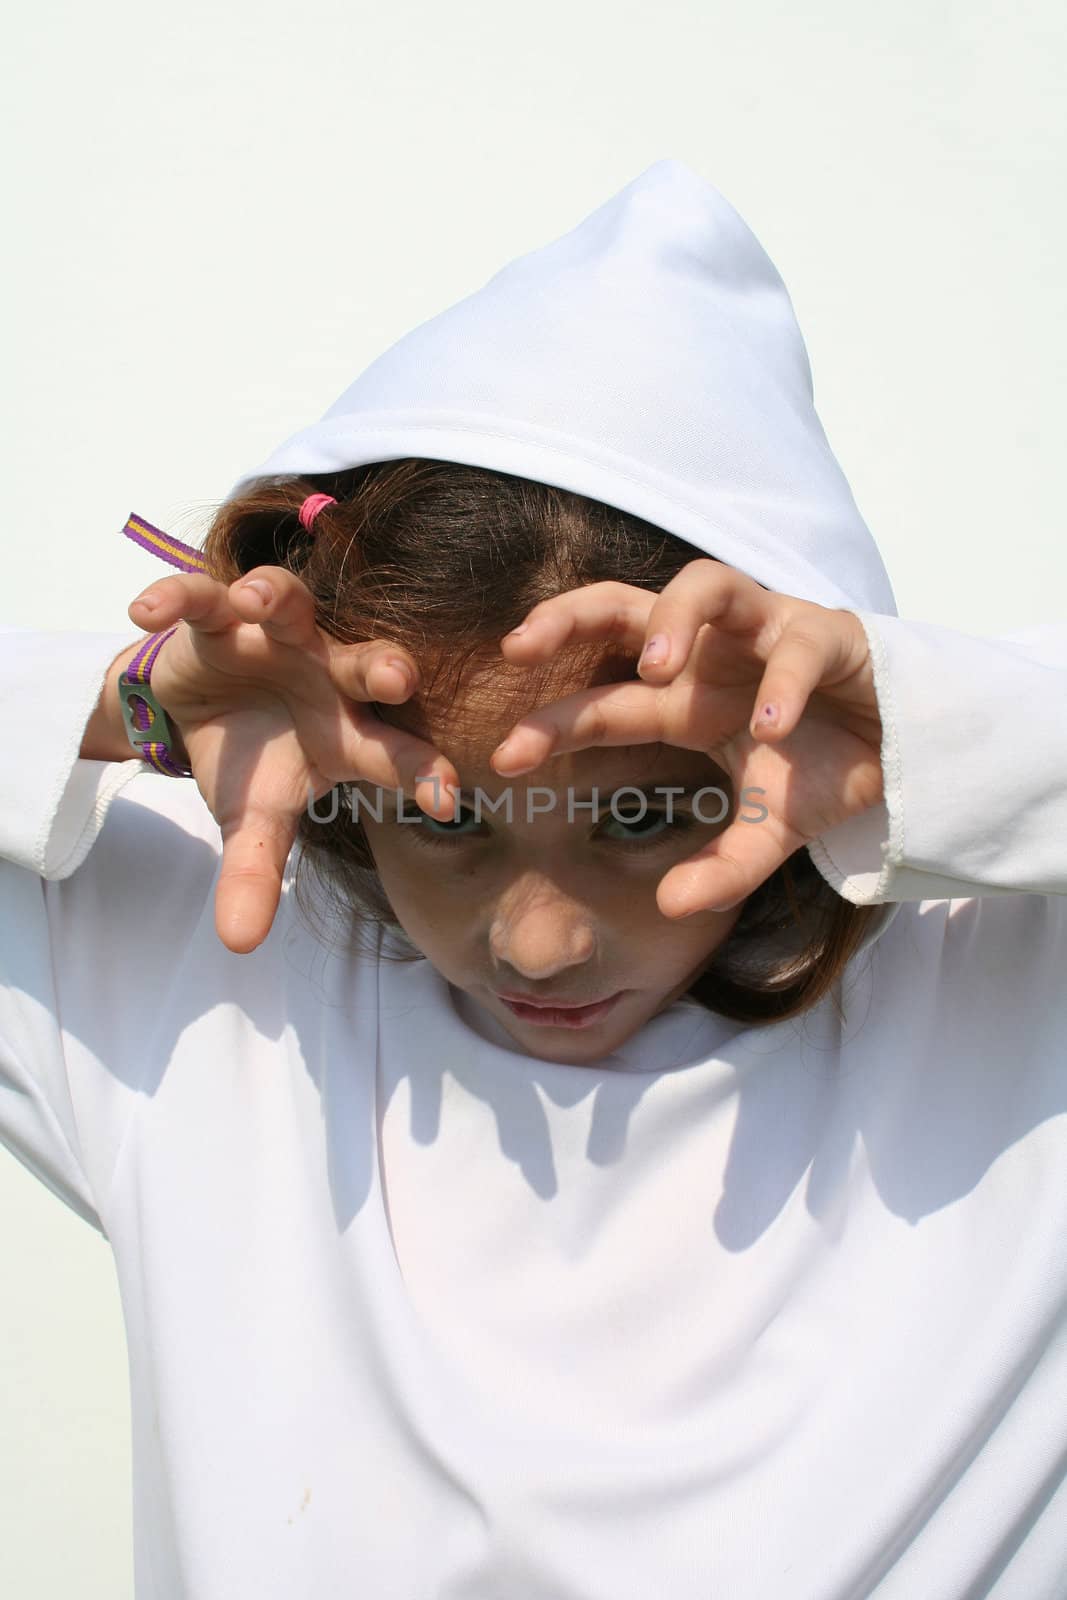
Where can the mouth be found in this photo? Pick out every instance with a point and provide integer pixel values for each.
(558, 1014)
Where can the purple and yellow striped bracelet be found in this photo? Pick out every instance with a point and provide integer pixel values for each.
(141, 711)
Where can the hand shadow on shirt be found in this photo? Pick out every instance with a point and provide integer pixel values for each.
(953, 1045)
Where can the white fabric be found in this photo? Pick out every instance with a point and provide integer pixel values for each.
(649, 358)
(741, 1311)
(754, 1312)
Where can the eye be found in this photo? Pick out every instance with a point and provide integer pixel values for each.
(429, 830)
(631, 827)
(652, 827)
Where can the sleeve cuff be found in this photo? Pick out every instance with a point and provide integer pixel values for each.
(52, 803)
(975, 801)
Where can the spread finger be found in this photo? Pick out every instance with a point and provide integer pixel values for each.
(281, 604)
(194, 598)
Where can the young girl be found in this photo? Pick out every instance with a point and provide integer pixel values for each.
(622, 1159)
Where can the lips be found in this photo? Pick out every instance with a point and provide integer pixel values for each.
(568, 1015)
(549, 1002)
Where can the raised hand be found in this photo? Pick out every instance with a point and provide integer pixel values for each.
(733, 650)
(272, 711)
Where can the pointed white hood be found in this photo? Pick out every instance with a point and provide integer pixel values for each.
(649, 358)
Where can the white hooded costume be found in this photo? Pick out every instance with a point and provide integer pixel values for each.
(750, 1312)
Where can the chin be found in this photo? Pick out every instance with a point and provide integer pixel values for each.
(574, 1057)
(574, 1050)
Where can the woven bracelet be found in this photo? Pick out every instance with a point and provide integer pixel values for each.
(146, 723)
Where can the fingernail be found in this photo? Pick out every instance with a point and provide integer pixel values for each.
(522, 627)
(656, 651)
(505, 752)
(260, 587)
(506, 755)
(149, 602)
(402, 668)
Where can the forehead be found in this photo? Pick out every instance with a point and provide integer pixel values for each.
(471, 710)
(467, 726)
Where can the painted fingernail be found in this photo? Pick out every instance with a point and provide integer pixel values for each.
(768, 717)
(259, 587)
(656, 651)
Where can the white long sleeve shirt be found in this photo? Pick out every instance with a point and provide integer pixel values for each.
(749, 1312)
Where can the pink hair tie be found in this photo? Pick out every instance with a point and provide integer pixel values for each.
(312, 506)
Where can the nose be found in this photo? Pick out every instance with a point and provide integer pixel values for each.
(539, 930)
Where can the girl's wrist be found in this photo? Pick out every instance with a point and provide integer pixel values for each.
(105, 737)
(148, 726)
(177, 744)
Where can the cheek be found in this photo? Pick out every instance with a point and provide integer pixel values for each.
(691, 943)
(422, 896)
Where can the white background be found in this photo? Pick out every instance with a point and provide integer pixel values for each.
(219, 213)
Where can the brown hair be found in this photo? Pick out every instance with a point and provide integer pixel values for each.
(444, 559)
